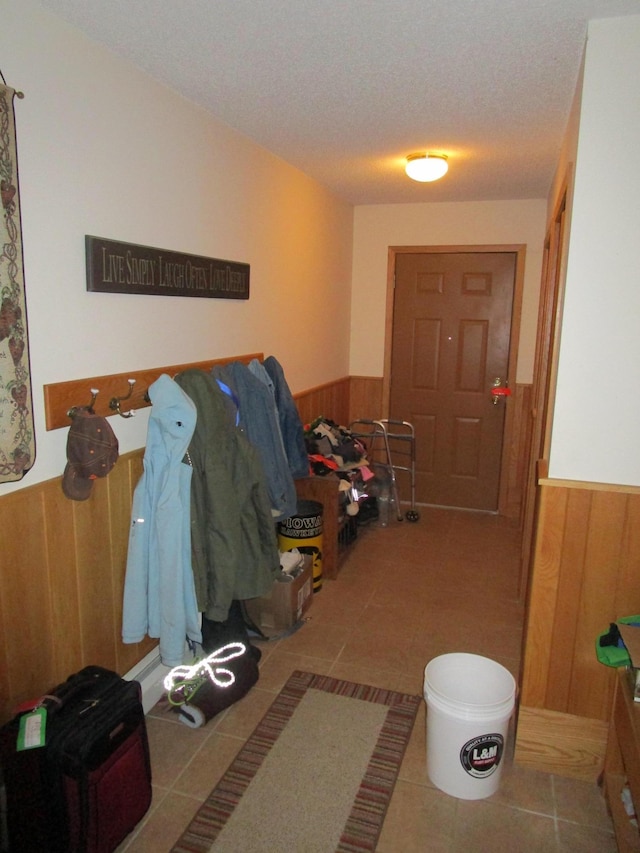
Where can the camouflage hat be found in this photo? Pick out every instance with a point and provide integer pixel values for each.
(92, 451)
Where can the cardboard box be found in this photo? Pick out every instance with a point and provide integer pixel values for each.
(631, 638)
(289, 599)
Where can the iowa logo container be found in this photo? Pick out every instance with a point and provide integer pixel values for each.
(304, 532)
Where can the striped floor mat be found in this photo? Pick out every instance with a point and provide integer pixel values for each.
(316, 775)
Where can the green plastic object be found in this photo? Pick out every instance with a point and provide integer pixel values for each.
(614, 655)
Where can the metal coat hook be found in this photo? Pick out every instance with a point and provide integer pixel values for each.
(94, 393)
(114, 403)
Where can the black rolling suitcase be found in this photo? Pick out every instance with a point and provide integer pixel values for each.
(90, 784)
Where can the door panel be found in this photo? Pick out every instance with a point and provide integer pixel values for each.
(451, 334)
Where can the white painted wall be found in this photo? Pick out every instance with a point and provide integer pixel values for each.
(105, 150)
(595, 433)
(376, 227)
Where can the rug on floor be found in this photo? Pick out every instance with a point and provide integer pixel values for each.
(316, 775)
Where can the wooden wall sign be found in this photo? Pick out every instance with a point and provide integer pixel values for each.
(114, 267)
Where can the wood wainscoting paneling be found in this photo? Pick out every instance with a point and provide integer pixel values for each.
(584, 574)
(518, 450)
(61, 583)
(330, 400)
(365, 398)
(562, 744)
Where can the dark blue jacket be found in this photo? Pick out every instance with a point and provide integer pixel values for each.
(259, 422)
(290, 423)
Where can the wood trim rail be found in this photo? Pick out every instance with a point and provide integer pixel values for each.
(60, 397)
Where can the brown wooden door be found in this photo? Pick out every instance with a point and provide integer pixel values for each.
(451, 334)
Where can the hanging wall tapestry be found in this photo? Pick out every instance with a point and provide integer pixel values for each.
(17, 439)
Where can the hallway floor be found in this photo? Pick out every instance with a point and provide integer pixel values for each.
(405, 594)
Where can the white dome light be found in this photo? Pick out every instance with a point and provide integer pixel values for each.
(426, 167)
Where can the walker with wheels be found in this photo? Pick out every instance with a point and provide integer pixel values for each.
(380, 436)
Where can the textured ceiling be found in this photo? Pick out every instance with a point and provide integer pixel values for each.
(344, 89)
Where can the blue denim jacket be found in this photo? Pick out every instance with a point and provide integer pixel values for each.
(290, 423)
(259, 422)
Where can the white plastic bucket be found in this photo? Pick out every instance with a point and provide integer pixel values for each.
(469, 702)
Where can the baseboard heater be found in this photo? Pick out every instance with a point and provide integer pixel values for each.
(150, 672)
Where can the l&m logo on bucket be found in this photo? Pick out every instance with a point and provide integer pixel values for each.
(481, 756)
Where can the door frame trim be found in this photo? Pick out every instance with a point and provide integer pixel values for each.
(519, 249)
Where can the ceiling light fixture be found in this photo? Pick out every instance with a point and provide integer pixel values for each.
(426, 167)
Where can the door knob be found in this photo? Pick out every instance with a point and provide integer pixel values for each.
(498, 391)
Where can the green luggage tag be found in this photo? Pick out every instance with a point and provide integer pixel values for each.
(32, 733)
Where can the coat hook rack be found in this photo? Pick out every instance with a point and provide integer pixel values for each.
(114, 403)
(94, 394)
(60, 397)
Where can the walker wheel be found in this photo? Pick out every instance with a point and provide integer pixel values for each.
(412, 515)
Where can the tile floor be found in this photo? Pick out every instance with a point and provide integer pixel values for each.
(405, 594)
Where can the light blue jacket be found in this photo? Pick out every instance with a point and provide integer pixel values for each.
(159, 590)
